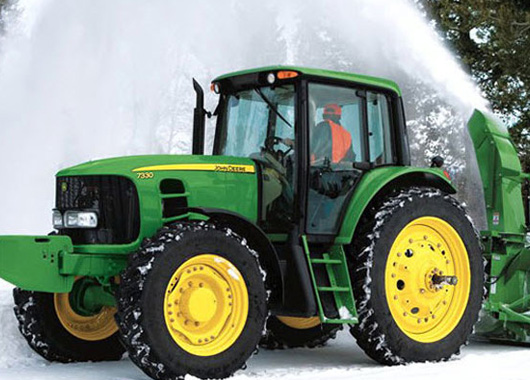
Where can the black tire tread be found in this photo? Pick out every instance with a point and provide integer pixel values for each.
(280, 338)
(42, 330)
(368, 333)
(129, 295)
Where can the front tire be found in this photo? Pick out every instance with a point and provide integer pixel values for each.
(411, 248)
(192, 301)
(59, 334)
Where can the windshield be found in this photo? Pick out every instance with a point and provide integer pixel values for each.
(252, 116)
(259, 123)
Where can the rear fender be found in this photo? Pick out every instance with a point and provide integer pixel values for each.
(377, 183)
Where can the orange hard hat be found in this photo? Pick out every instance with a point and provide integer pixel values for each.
(332, 109)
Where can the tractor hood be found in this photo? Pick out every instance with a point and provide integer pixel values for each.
(168, 185)
(129, 166)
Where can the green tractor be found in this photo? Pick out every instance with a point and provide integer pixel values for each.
(191, 262)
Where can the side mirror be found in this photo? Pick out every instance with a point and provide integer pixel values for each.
(437, 162)
(362, 166)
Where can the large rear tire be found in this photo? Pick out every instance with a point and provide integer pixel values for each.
(192, 301)
(59, 334)
(289, 332)
(412, 248)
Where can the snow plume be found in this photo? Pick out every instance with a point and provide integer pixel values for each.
(95, 78)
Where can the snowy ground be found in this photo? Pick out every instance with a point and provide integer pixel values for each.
(342, 359)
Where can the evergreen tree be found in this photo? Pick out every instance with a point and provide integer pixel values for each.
(492, 39)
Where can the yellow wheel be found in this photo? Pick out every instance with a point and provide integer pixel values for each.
(192, 301)
(60, 334)
(90, 328)
(417, 278)
(300, 323)
(206, 305)
(427, 279)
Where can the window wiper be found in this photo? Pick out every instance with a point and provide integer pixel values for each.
(271, 106)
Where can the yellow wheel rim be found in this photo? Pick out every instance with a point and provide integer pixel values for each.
(206, 305)
(300, 323)
(93, 328)
(424, 306)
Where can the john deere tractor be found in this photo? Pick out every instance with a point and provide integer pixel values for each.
(191, 262)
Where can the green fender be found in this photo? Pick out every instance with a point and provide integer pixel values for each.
(380, 180)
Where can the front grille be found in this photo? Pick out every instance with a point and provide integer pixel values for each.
(115, 200)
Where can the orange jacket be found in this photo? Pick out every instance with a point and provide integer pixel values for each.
(333, 141)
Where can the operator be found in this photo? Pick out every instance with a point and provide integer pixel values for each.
(329, 139)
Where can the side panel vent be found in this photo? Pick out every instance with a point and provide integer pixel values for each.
(174, 199)
(172, 186)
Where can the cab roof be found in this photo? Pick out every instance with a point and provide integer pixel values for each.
(356, 78)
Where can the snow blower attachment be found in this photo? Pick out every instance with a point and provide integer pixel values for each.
(506, 312)
(300, 222)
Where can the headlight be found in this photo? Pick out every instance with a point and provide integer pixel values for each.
(57, 219)
(80, 219)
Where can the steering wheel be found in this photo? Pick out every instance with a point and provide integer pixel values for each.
(275, 140)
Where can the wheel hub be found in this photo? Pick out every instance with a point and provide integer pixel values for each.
(206, 305)
(423, 268)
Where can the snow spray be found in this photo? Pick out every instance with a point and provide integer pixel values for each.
(96, 78)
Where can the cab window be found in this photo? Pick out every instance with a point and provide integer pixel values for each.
(379, 132)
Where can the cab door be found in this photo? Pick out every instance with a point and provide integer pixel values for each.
(357, 139)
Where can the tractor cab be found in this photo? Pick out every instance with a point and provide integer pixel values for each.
(310, 160)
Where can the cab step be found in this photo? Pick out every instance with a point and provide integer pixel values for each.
(339, 283)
